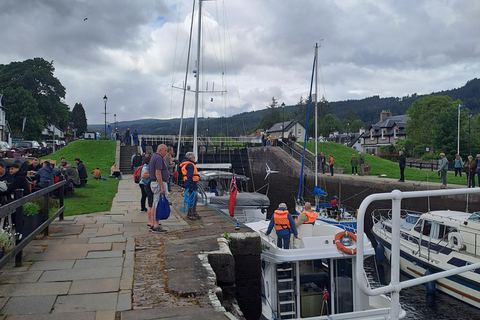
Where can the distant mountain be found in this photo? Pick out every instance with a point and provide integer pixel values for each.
(368, 110)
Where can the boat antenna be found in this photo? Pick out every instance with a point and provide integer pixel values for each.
(177, 157)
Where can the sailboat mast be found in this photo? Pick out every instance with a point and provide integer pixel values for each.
(185, 85)
(316, 116)
(197, 89)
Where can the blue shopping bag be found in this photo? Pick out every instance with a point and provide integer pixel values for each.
(163, 208)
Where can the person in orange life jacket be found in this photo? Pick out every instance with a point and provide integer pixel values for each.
(308, 216)
(284, 225)
(190, 178)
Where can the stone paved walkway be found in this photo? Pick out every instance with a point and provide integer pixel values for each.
(85, 268)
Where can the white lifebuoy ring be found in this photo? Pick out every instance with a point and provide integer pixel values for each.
(455, 240)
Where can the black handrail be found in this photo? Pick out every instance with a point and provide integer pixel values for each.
(16, 207)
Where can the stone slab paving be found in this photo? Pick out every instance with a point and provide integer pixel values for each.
(86, 269)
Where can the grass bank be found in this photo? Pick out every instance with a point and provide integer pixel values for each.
(97, 195)
(342, 154)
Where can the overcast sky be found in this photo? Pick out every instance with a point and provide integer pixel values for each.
(134, 51)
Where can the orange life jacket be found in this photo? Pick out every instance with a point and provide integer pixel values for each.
(312, 216)
(183, 166)
(280, 217)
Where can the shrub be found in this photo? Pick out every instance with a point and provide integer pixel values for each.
(30, 209)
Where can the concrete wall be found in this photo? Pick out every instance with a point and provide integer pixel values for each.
(350, 189)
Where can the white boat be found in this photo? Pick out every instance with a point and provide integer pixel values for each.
(214, 187)
(453, 261)
(436, 241)
(341, 217)
(314, 279)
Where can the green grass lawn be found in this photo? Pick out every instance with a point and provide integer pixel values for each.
(97, 195)
(342, 154)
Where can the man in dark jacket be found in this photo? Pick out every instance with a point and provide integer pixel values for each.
(82, 172)
(4, 174)
(19, 181)
(44, 176)
(35, 166)
(190, 178)
(402, 161)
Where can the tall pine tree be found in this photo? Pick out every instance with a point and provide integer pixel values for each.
(79, 119)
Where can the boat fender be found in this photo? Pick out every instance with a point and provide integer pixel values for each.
(455, 240)
(429, 286)
(340, 246)
(379, 253)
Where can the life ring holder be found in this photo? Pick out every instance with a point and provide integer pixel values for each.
(455, 236)
(339, 244)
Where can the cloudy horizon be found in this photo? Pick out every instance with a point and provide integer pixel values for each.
(135, 53)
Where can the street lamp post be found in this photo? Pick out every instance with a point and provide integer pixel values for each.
(470, 115)
(283, 124)
(348, 129)
(105, 100)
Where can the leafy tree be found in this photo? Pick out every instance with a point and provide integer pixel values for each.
(79, 118)
(36, 76)
(330, 123)
(356, 125)
(444, 134)
(20, 105)
(424, 119)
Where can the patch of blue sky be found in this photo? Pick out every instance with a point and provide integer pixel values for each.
(158, 22)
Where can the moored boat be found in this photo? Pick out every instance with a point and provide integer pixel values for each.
(436, 241)
(316, 278)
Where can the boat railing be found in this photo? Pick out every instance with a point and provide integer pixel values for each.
(395, 285)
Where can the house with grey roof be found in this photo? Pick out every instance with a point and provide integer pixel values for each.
(4, 127)
(287, 127)
(388, 131)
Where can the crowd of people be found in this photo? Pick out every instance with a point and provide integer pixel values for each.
(20, 174)
(471, 167)
(126, 138)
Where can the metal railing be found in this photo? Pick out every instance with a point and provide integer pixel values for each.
(17, 241)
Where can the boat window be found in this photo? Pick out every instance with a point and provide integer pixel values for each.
(343, 285)
(427, 226)
(418, 226)
(439, 231)
(314, 277)
(475, 217)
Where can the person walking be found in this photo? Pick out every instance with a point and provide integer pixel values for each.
(477, 170)
(458, 165)
(443, 166)
(470, 167)
(158, 184)
(402, 161)
(361, 163)
(284, 226)
(308, 216)
(190, 178)
(330, 163)
(354, 164)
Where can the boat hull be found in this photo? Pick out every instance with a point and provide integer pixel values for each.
(464, 286)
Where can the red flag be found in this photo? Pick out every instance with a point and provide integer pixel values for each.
(325, 293)
(233, 196)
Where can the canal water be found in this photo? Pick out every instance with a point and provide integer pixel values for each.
(415, 300)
